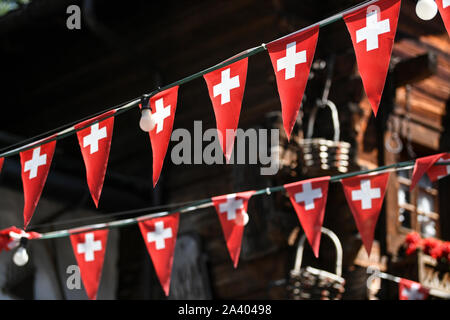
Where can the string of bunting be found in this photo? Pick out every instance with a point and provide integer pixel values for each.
(407, 289)
(364, 191)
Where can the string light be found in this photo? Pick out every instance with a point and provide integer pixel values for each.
(147, 122)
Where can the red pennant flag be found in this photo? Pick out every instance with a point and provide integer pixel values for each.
(95, 143)
(232, 212)
(372, 29)
(365, 196)
(309, 199)
(160, 235)
(163, 106)
(411, 290)
(35, 166)
(444, 10)
(89, 249)
(291, 60)
(226, 90)
(1, 163)
(421, 166)
(437, 172)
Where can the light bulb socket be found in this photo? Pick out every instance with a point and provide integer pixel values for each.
(23, 242)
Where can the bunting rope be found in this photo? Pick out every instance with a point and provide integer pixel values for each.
(375, 272)
(69, 129)
(203, 203)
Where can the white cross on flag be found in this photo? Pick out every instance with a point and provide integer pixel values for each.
(232, 212)
(291, 58)
(163, 106)
(35, 167)
(95, 143)
(309, 199)
(160, 235)
(440, 171)
(372, 29)
(411, 290)
(444, 10)
(226, 90)
(89, 249)
(365, 196)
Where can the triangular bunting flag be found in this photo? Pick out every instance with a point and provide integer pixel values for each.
(372, 29)
(35, 166)
(89, 249)
(232, 212)
(365, 196)
(1, 163)
(444, 10)
(226, 90)
(421, 166)
(437, 172)
(163, 106)
(291, 60)
(309, 199)
(410, 290)
(160, 236)
(95, 143)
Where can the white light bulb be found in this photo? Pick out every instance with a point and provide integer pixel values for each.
(426, 9)
(246, 218)
(147, 123)
(20, 257)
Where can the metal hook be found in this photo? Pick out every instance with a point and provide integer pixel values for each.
(394, 137)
